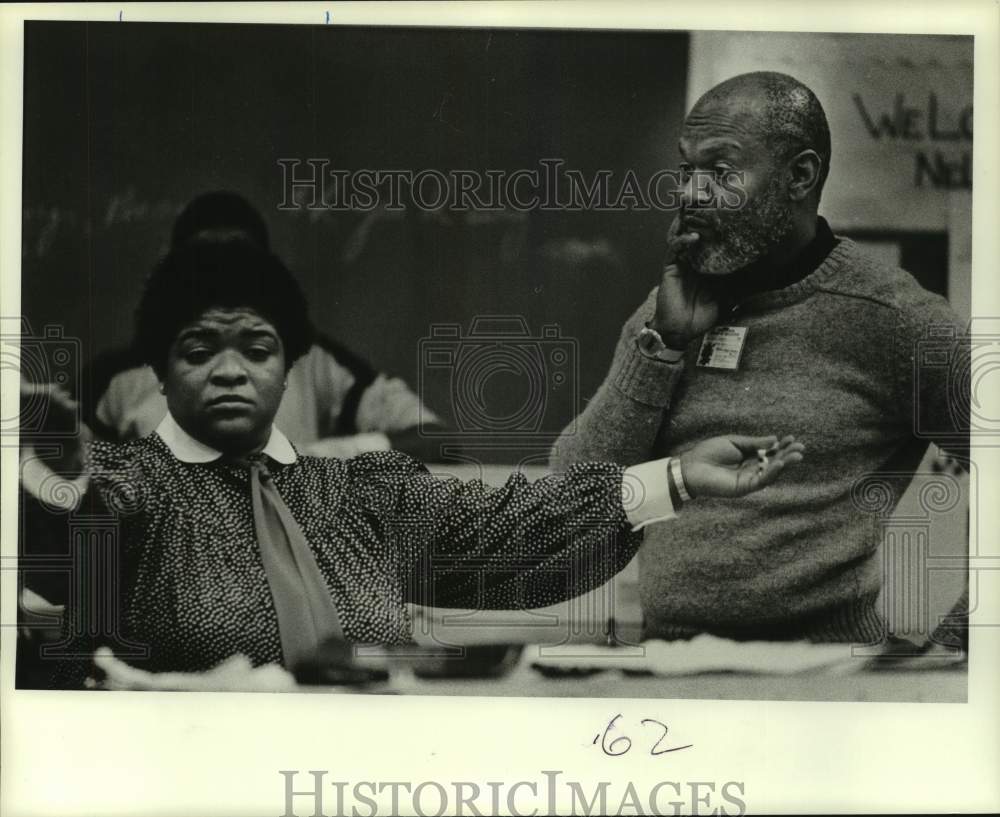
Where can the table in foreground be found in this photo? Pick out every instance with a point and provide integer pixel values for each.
(788, 672)
(900, 686)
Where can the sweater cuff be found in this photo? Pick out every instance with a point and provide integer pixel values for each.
(645, 379)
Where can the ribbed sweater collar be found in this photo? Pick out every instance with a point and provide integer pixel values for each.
(799, 288)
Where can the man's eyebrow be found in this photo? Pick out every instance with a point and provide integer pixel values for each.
(720, 144)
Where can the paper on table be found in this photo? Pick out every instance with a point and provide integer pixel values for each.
(706, 653)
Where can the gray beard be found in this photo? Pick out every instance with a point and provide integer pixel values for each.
(745, 236)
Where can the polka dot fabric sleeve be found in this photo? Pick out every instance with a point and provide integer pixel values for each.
(523, 545)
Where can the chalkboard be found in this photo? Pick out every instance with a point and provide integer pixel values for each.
(125, 123)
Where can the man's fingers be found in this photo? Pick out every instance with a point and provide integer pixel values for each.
(674, 247)
(790, 453)
(770, 445)
(673, 229)
(767, 473)
(683, 240)
(677, 240)
(750, 445)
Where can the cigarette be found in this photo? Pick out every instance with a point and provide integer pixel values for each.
(763, 454)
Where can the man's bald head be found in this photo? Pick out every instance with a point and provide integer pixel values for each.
(784, 112)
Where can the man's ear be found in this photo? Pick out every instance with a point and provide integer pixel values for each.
(804, 168)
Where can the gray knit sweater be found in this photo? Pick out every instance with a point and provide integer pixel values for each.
(829, 359)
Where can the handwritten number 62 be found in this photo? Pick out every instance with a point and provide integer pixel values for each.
(618, 746)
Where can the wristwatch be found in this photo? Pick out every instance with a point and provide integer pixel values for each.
(651, 344)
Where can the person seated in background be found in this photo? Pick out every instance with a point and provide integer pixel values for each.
(235, 548)
(336, 404)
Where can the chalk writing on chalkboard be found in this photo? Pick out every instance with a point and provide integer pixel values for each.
(46, 225)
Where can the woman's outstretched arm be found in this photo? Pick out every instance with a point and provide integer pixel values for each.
(524, 545)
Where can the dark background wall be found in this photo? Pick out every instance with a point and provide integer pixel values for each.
(124, 123)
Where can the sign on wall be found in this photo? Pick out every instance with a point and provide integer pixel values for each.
(899, 109)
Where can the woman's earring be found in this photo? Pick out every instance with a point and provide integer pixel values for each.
(163, 389)
(284, 385)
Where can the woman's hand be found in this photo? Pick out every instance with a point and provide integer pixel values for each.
(735, 466)
(235, 674)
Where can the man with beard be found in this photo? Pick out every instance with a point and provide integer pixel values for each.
(764, 319)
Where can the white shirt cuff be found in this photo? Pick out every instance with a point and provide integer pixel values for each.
(49, 487)
(646, 494)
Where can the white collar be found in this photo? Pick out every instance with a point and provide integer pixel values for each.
(187, 449)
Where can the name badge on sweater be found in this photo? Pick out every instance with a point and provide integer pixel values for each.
(722, 347)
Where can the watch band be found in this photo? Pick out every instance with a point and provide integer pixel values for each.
(678, 477)
(651, 344)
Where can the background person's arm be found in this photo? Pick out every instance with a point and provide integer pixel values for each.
(389, 416)
(366, 410)
(112, 385)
